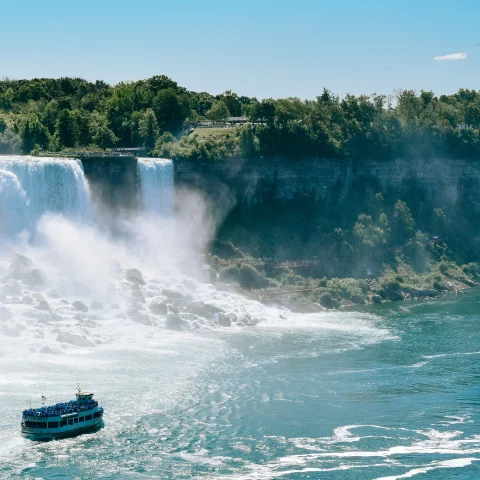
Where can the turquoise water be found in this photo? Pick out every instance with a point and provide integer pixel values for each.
(390, 392)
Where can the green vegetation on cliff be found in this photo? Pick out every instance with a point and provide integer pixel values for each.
(363, 243)
(56, 114)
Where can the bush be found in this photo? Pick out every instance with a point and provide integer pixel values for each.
(326, 300)
(357, 299)
(472, 269)
(346, 287)
(390, 289)
(376, 298)
(246, 276)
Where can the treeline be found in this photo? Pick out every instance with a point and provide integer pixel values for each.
(71, 113)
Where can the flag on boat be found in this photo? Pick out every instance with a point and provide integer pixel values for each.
(44, 399)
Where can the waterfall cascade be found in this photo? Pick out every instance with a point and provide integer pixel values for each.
(155, 176)
(32, 186)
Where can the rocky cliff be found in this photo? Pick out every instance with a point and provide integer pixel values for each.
(442, 181)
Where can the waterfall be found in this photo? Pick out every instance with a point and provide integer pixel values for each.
(32, 186)
(155, 176)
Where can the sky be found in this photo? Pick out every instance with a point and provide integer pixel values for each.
(262, 48)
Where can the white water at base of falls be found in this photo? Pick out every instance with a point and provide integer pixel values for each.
(155, 176)
(33, 186)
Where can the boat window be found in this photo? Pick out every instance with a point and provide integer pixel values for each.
(88, 417)
(81, 419)
(36, 424)
(75, 420)
(63, 423)
(97, 414)
(70, 421)
(52, 424)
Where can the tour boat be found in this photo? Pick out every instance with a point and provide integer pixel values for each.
(67, 419)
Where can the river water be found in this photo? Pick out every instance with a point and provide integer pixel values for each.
(391, 391)
(388, 393)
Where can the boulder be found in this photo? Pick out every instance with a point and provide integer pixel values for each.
(246, 320)
(173, 294)
(158, 308)
(14, 300)
(204, 309)
(174, 322)
(96, 305)
(46, 350)
(43, 305)
(224, 320)
(12, 287)
(137, 295)
(38, 297)
(72, 339)
(35, 278)
(173, 309)
(81, 307)
(135, 276)
(421, 292)
(139, 317)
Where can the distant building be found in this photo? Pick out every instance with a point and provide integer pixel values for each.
(238, 119)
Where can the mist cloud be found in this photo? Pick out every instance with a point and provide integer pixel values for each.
(452, 56)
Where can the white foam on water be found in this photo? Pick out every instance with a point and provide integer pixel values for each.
(455, 463)
(442, 355)
(46, 338)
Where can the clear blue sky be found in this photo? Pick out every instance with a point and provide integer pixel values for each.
(260, 48)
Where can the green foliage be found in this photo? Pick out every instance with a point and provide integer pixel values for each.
(389, 289)
(356, 127)
(326, 300)
(33, 133)
(246, 276)
(170, 109)
(416, 253)
(403, 223)
(348, 288)
(370, 235)
(472, 269)
(65, 128)
(148, 128)
(219, 112)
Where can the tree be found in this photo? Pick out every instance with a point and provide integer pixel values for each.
(369, 234)
(403, 224)
(103, 136)
(233, 103)
(264, 111)
(170, 109)
(34, 133)
(148, 128)
(65, 129)
(219, 112)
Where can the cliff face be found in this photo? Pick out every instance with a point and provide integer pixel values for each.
(286, 209)
(442, 182)
(113, 180)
